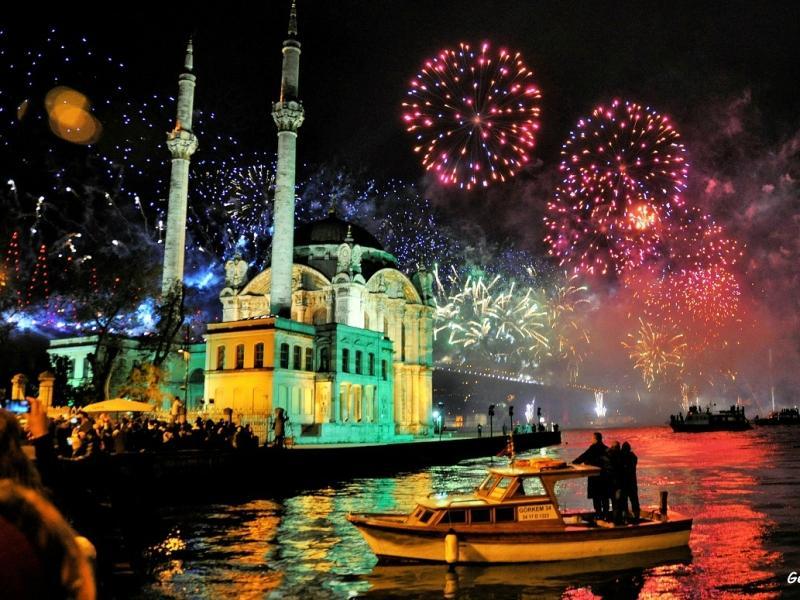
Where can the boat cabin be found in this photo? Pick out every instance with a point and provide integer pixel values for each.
(523, 491)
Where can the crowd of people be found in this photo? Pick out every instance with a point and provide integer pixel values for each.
(41, 556)
(81, 436)
(616, 484)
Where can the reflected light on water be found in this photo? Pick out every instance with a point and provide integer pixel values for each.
(302, 546)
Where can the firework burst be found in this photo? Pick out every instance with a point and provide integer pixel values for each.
(623, 172)
(474, 113)
(566, 321)
(495, 322)
(658, 353)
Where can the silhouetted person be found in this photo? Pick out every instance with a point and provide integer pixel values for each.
(615, 483)
(629, 484)
(279, 427)
(597, 485)
(480, 430)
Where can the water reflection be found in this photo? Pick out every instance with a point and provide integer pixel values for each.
(624, 575)
(737, 486)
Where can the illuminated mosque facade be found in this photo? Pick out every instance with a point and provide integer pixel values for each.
(332, 332)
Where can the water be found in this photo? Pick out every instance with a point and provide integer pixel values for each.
(742, 489)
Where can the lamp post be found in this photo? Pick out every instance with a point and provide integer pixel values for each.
(186, 356)
(441, 419)
(491, 417)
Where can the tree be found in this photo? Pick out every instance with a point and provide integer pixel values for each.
(144, 383)
(107, 303)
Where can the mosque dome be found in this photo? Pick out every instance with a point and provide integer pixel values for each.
(333, 230)
(316, 245)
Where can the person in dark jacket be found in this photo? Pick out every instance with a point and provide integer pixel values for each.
(629, 485)
(596, 455)
(615, 479)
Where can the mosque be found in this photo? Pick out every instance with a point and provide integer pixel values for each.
(332, 332)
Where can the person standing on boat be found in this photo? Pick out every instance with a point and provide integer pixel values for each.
(616, 488)
(597, 456)
(630, 487)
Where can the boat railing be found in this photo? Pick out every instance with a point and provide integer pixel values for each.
(453, 501)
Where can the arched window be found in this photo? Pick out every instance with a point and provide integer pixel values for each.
(383, 370)
(240, 356)
(220, 358)
(358, 361)
(346, 360)
(284, 356)
(323, 360)
(296, 358)
(371, 364)
(403, 342)
(258, 356)
(309, 359)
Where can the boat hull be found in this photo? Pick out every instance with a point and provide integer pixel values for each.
(393, 543)
(707, 427)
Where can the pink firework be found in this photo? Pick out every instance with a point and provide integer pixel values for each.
(623, 172)
(474, 114)
(700, 301)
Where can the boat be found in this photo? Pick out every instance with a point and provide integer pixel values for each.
(514, 517)
(697, 421)
(786, 416)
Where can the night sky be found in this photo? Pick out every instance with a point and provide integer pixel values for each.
(358, 58)
(726, 74)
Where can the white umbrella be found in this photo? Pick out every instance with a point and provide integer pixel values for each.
(118, 405)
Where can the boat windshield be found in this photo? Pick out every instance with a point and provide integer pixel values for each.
(489, 482)
(530, 486)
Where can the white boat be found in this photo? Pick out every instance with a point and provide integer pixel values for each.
(514, 517)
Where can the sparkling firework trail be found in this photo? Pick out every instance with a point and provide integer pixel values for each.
(655, 352)
(623, 172)
(499, 324)
(526, 327)
(474, 113)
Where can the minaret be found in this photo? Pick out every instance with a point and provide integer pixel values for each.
(288, 115)
(181, 143)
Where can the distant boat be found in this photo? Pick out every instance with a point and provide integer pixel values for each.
(786, 416)
(614, 421)
(697, 421)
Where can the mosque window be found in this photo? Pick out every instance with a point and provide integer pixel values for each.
(323, 360)
(358, 361)
(371, 364)
(296, 356)
(284, 356)
(346, 360)
(383, 370)
(258, 360)
(220, 358)
(240, 356)
(309, 359)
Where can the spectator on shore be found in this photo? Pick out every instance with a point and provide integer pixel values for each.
(41, 556)
(279, 427)
(14, 463)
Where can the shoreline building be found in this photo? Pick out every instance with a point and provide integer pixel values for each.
(332, 332)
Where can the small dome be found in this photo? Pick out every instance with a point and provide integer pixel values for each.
(332, 230)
